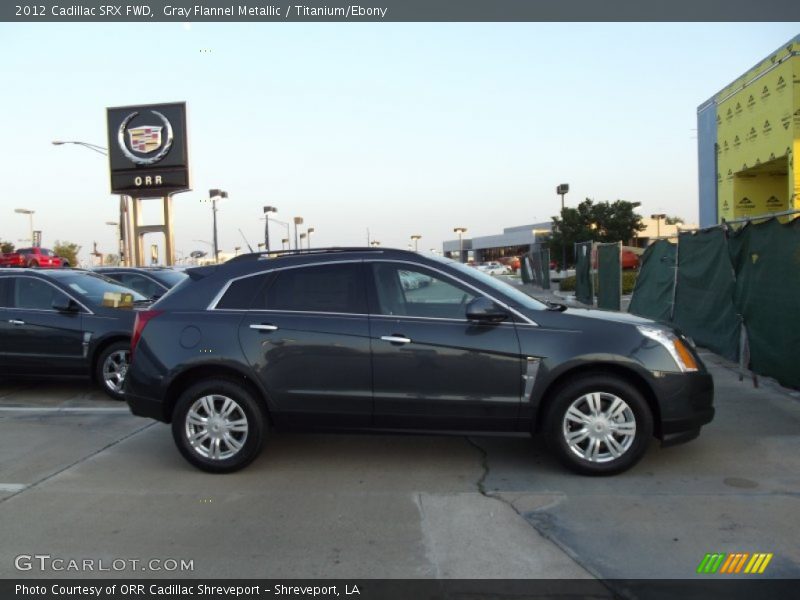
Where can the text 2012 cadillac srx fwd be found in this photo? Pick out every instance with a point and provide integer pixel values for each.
(333, 338)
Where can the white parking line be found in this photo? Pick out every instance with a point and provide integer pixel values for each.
(66, 409)
(12, 487)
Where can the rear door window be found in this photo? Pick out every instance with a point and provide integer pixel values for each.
(335, 288)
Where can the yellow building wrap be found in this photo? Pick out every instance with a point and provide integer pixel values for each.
(758, 136)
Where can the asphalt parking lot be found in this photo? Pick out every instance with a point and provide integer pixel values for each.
(83, 479)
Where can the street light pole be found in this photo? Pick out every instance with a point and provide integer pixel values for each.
(125, 246)
(562, 190)
(460, 231)
(267, 210)
(297, 221)
(94, 147)
(658, 218)
(310, 230)
(215, 195)
(416, 237)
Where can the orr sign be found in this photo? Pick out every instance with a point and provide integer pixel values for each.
(147, 150)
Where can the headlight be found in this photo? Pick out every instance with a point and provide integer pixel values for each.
(674, 345)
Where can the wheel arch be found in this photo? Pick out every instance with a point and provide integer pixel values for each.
(188, 377)
(623, 372)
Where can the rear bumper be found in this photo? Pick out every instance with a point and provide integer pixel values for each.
(146, 407)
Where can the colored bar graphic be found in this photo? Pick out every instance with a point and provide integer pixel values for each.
(731, 563)
(726, 567)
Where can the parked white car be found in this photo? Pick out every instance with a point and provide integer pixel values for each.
(494, 268)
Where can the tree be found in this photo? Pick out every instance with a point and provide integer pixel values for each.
(602, 222)
(616, 221)
(68, 251)
(673, 220)
(6, 247)
(111, 260)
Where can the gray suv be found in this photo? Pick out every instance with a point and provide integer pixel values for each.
(337, 338)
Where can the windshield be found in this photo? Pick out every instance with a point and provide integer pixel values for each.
(92, 287)
(521, 298)
(168, 277)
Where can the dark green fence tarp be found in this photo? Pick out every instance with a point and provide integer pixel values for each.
(609, 276)
(583, 273)
(704, 296)
(544, 255)
(766, 258)
(525, 269)
(540, 265)
(750, 278)
(652, 294)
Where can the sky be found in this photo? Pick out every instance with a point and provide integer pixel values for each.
(395, 128)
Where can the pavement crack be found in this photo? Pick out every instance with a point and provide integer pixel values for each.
(481, 483)
(542, 532)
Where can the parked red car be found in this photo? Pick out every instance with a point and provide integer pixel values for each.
(629, 258)
(32, 258)
(511, 262)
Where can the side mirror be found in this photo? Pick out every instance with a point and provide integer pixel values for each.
(483, 310)
(65, 305)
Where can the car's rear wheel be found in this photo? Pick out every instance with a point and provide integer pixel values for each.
(112, 367)
(219, 426)
(599, 425)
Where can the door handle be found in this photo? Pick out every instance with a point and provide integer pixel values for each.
(263, 327)
(16, 322)
(396, 339)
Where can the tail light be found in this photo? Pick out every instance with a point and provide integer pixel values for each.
(142, 319)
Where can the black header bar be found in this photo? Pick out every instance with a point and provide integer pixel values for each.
(151, 11)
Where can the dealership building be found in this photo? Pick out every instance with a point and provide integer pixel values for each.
(514, 241)
(748, 136)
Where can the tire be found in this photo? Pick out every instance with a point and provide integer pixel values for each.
(238, 438)
(111, 367)
(605, 441)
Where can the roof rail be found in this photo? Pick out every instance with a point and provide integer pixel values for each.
(280, 253)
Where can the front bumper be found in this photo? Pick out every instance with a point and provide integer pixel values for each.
(685, 403)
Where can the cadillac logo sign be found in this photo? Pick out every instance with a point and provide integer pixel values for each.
(145, 139)
(148, 154)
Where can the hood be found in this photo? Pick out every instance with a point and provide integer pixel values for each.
(609, 315)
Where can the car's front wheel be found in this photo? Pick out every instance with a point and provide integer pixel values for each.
(112, 367)
(218, 425)
(599, 425)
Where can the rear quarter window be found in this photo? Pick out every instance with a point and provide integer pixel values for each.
(242, 293)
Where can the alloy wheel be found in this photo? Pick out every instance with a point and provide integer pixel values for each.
(599, 427)
(216, 427)
(115, 368)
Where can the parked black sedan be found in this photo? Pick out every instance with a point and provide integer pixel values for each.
(66, 323)
(150, 282)
(333, 338)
